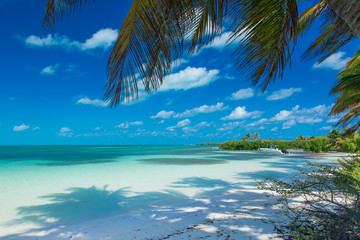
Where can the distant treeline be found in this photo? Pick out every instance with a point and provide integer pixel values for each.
(210, 144)
(334, 141)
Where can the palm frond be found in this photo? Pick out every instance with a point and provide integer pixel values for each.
(209, 23)
(307, 18)
(348, 102)
(151, 38)
(267, 30)
(334, 34)
(56, 9)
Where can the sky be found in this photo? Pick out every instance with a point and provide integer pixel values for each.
(52, 85)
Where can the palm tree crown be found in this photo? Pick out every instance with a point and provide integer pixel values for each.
(156, 33)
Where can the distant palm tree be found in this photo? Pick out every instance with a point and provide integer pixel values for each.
(156, 33)
(248, 136)
(300, 137)
(256, 136)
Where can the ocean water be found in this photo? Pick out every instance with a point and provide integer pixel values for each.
(48, 186)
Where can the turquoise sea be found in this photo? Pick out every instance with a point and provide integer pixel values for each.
(47, 186)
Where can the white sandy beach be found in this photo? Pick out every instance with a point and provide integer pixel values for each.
(239, 214)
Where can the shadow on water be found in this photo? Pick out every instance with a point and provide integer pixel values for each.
(182, 161)
(201, 182)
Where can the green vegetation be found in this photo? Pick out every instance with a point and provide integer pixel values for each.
(334, 141)
(209, 144)
(330, 208)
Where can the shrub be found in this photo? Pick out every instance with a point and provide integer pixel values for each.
(330, 206)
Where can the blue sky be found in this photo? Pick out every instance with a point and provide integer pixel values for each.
(52, 87)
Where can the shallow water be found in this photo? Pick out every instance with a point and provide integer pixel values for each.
(45, 186)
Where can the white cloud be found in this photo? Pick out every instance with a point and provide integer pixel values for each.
(230, 126)
(220, 41)
(289, 124)
(102, 39)
(241, 113)
(128, 124)
(161, 122)
(333, 120)
(203, 124)
(290, 118)
(21, 128)
(35, 128)
(274, 129)
(242, 94)
(202, 109)
(97, 128)
(297, 115)
(95, 102)
(65, 132)
(180, 124)
(189, 78)
(179, 62)
(326, 128)
(163, 114)
(283, 93)
(183, 123)
(334, 62)
(49, 70)
(258, 122)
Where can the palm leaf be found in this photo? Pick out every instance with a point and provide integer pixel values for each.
(348, 102)
(57, 9)
(267, 30)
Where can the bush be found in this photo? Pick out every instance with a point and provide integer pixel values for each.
(330, 206)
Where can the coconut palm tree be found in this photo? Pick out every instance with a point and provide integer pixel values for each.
(248, 136)
(256, 136)
(348, 86)
(156, 33)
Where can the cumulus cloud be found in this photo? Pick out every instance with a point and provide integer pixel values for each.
(220, 41)
(49, 70)
(241, 113)
(189, 78)
(102, 39)
(305, 115)
(337, 61)
(333, 120)
(283, 93)
(129, 124)
(21, 128)
(242, 94)
(202, 109)
(230, 126)
(180, 124)
(290, 118)
(163, 114)
(95, 102)
(65, 132)
(289, 124)
(274, 129)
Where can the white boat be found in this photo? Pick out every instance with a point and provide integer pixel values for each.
(271, 150)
